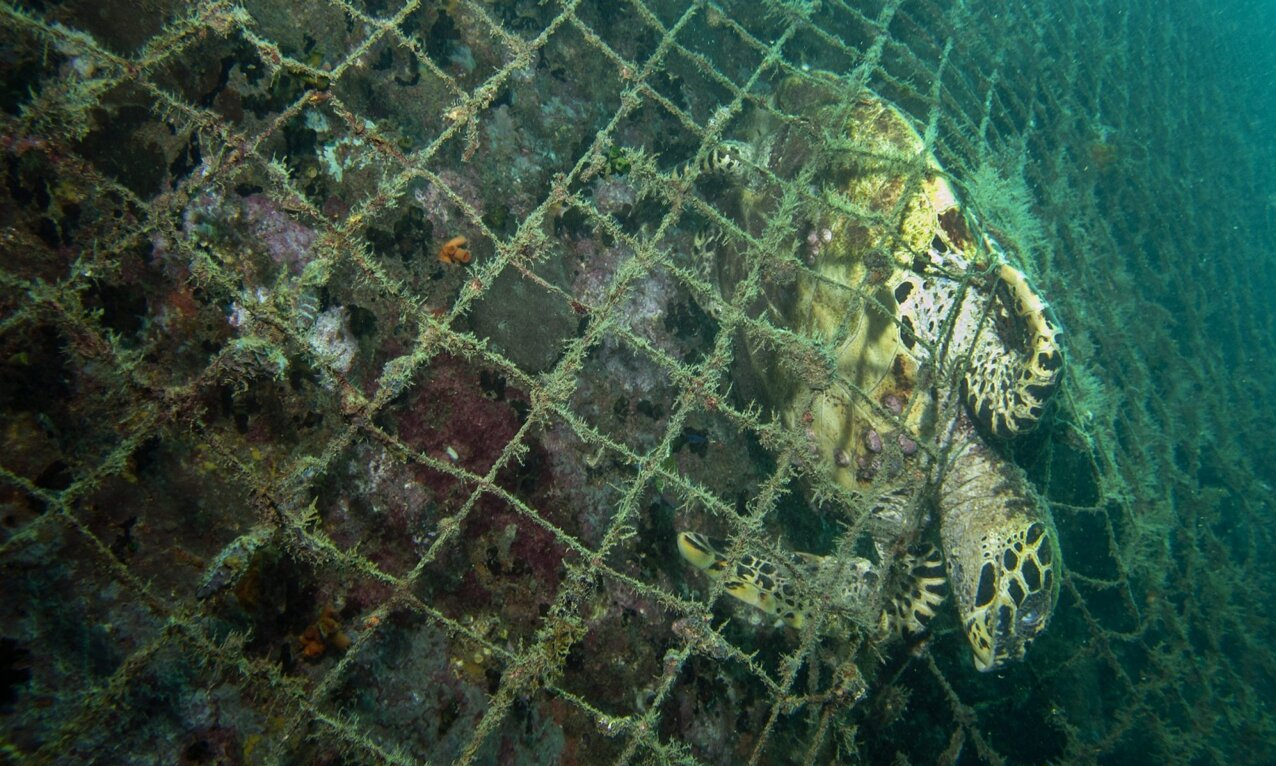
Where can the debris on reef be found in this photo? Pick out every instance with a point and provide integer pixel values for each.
(323, 634)
(454, 252)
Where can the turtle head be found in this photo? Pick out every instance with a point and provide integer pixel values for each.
(1014, 595)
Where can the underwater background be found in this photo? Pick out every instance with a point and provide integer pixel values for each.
(357, 372)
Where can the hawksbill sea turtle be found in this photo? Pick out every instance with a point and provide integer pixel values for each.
(942, 349)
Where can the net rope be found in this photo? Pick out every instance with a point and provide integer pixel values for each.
(274, 470)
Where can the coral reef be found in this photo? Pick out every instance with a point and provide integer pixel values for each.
(359, 362)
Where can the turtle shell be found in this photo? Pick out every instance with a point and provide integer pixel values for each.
(872, 412)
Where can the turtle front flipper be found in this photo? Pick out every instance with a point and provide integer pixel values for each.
(901, 606)
(911, 601)
(761, 584)
(1002, 551)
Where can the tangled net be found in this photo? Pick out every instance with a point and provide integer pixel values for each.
(359, 370)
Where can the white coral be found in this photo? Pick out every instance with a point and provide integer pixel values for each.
(330, 339)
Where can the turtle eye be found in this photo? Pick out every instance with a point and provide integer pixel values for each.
(1029, 618)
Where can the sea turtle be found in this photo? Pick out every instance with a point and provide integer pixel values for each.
(942, 351)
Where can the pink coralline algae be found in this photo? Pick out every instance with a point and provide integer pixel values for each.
(254, 224)
(285, 240)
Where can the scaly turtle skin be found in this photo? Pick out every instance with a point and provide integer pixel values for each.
(939, 343)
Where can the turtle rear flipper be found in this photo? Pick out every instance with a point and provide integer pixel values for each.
(1002, 334)
(1015, 362)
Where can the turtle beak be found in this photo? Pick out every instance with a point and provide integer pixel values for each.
(982, 658)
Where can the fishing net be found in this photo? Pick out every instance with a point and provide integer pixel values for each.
(363, 359)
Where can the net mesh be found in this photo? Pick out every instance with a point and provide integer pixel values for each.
(292, 474)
